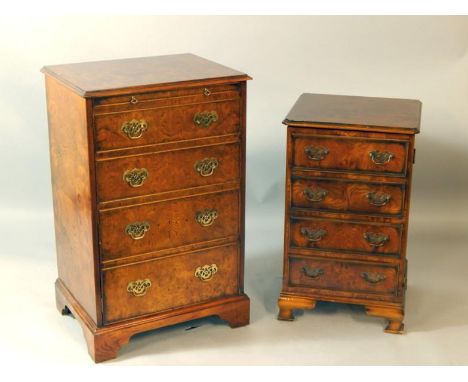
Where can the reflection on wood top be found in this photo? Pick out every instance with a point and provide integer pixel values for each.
(366, 112)
(112, 77)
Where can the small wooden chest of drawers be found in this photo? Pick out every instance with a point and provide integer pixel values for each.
(348, 181)
(148, 175)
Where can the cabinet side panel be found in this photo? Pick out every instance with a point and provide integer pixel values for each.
(72, 193)
(243, 140)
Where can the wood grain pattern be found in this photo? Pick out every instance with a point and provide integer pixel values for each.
(173, 283)
(340, 275)
(368, 113)
(172, 224)
(351, 154)
(326, 254)
(74, 216)
(168, 124)
(105, 342)
(166, 171)
(351, 197)
(178, 96)
(353, 232)
(133, 75)
(164, 219)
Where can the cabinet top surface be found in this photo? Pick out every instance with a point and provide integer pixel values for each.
(366, 112)
(139, 74)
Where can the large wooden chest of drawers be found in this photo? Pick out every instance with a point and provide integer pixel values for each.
(348, 182)
(148, 174)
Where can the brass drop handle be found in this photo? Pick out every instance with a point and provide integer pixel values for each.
(135, 128)
(206, 167)
(376, 239)
(135, 177)
(137, 230)
(133, 100)
(378, 199)
(316, 194)
(313, 235)
(206, 92)
(313, 272)
(206, 217)
(373, 278)
(381, 158)
(138, 287)
(205, 119)
(206, 272)
(316, 152)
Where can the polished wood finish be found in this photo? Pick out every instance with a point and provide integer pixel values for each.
(350, 154)
(173, 283)
(348, 183)
(343, 276)
(171, 224)
(167, 123)
(166, 171)
(365, 113)
(148, 169)
(144, 74)
(355, 232)
(346, 196)
(71, 157)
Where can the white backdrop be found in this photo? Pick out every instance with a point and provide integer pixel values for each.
(406, 57)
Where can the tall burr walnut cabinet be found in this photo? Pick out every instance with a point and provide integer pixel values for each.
(348, 182)
(148, 175)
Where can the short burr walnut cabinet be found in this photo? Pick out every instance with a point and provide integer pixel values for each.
(148, 175)
(348, 182)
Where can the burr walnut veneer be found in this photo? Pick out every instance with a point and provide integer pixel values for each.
(148, 173)
(348, 181)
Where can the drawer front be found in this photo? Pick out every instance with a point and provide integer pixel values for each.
(166, 124)
(334, 235)
(343, 196)
(350, 154)
(158, 285)
(343, 276)
(167, 171)
(162, 225)
(165, 98)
